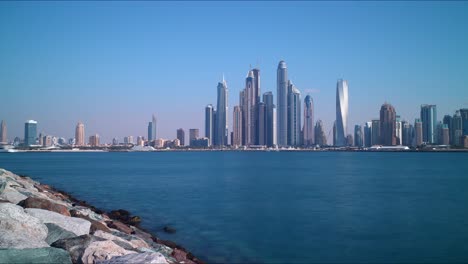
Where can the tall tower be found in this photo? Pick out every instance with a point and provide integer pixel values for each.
(3, 133)
(341, 112)
(308, 121)
(79, 134)
(152, 129)
(221, 130)
(387, 125)
(294, 115)
(250, 101)
(282, 103)
(181, 136)
(429, 123)
(237, 126)
(418, 132)
(270, 119)
(209, 124)
(30, 132)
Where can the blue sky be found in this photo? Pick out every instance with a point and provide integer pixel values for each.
(113, 64)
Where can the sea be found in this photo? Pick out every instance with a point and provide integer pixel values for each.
(278, 207)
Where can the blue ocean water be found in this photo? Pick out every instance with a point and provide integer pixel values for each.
(278, 207)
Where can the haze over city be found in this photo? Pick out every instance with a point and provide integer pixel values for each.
(113, 65)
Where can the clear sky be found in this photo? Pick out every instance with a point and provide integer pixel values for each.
(112, 64)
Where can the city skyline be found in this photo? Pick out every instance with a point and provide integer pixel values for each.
(113, 88)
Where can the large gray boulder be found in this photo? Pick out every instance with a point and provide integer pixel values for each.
(75, 225)
(56, 233)
(8, 193)
(35, 255)
(148, 257)
(89, 248)
(20, 230)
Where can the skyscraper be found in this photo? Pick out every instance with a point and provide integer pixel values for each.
(368, 134)
(270, 120)
(237, 126)
(341, 112)
(258, 135)
(249, 109)
(3, 133)
(181, 136)
(407, 133)
(457, 128)
(464, 119)
(358, 138)
(308, 130)
(94, 140)
(418, 132)
(398, 130)
(294, 115)
(429, 123)
(443, 134)
(334, 133)
(448, 121)
(282, 104)
(260, 124)
(387, 125)
(375, 132)
(221, 129)
(209, 124)
(152, 129)
(193, 135)
(80, 134)
(30, 132)
(320, 138)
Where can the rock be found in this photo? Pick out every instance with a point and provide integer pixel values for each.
(8, 193)
(148, 257)
(134, 220)
(56, 233)
(76, 246)
(119, 214)
(181, 255)
(75, 225)
(169, 229)
(119, 226)
(95, 225)
(35, 255)
(103, 250)
(20, 230)
(33, 202)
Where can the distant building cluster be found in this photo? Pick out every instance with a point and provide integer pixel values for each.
(288, 122)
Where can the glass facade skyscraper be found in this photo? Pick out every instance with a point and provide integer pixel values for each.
(341, 112)
(282, 103)
(308, 130)
(429, 123)
(221, 128)
(30, 132)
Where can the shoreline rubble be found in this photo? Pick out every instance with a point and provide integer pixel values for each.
(40, 224)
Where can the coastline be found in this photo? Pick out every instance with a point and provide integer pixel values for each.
(40, 224)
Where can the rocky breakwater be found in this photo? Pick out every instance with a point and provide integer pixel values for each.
(39, 224)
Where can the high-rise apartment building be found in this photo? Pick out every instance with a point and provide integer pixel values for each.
(194, 134)
(387, 125)
(260, 124)
(308, 130)
(464, 119)
(221, 130)
(80, 134)
(368, 134)
(294, 115)
(210, 123)
(181, 136)
(30, 133)
(358, 137)
(429, 123)
(282, 104)
(320, 138)
(152, 129)
(94, 140)
(3, 133)
(270, 120)
(375, 132)
(341, 112)
(237, 126)
(418, 132)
